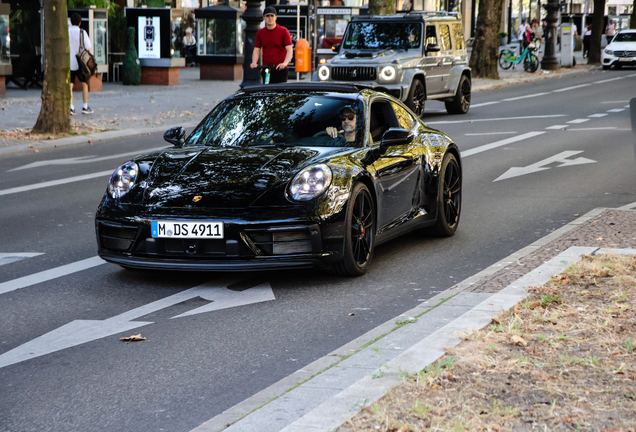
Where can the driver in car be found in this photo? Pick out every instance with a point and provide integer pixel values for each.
(348, 124)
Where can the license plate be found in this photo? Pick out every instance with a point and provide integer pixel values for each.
(178, 229)
(627, 59)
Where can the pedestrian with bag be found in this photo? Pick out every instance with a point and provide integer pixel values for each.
(521, 33)
(275, 42)
(78, 42)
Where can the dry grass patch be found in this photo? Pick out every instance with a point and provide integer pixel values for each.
(25, 133)
(563, 359)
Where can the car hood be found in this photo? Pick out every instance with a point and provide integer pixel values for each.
(349, 57)
(621, 46)
(223, 177)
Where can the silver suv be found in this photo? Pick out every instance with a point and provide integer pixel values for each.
(416, 56)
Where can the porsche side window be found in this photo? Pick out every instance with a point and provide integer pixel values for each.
(444, 36)
(381, 119)
(403, 117)
(431, 35)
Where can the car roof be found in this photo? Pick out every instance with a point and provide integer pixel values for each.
(313, 86)
(412, 16)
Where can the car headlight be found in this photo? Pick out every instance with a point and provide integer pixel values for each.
(123, 179)
(310, 182)
(387, 73)
(323, 73)
(610, 52)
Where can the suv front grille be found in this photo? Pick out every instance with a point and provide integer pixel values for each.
(625, 53)
(366, 73)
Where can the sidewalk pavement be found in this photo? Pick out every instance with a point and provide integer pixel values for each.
(121, 111)
(324, 394)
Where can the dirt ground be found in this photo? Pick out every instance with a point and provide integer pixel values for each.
(563, 359)
(25, 133)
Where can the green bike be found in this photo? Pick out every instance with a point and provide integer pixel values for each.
(508, 58)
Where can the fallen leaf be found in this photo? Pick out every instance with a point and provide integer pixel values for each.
(351, 314)
(133, 338)
(516, 308)
(534, 304)
(600, 238)
(404, 428)
(495, 321)
(518, 340)
(436, 386)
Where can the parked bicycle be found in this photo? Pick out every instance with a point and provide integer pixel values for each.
(530, 61)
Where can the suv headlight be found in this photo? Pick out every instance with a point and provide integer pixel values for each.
(610, 52)
(323, 73)
(387, 73)
(123, 179)
(310, 182)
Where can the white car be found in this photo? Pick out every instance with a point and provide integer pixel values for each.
(620, 51)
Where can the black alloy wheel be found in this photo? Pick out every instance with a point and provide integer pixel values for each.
(460, 104)
(502, 59)
(359, 234)
(417, 98)
(449, 198)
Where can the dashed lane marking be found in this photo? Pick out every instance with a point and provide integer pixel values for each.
(490, 133)
(576, 121)
(10, 257)
(597, 115)
(592, 129)
(501, 143)
(55, 182)
(51, 274)
(616, 110)
(555, 127)
(496, 119)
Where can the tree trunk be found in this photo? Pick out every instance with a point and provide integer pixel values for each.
(381, 7)
(632, 22)
(483, 60)
(55, 114)
(594, 56)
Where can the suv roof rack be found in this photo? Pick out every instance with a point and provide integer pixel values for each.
(439, 13)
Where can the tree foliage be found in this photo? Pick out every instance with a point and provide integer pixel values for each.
(55, 113)
(381, 7)
(485, 53)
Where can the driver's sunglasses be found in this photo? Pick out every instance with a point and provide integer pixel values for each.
(347, 117)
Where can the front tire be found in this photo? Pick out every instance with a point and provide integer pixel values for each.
(417, 98)
(532, 64)
(359, 234)
(449, 198)
(461, 102)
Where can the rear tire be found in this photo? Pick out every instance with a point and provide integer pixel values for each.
(461, 102)
(606, 67)
(449, 199)
(502, 59)
(416, 99)
(359, 234)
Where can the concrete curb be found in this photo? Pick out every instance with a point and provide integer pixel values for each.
(323, 394)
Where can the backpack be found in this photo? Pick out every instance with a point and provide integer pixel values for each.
(85, 60)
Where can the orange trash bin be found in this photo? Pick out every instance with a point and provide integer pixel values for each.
(303, 56)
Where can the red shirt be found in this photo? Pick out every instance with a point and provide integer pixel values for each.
(273, 43)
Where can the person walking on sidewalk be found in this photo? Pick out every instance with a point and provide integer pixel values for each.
(74, 34)
(587, 37)
(275, 42)
(521, 33)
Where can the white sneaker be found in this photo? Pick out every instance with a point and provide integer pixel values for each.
(87, 110)
(72, 111)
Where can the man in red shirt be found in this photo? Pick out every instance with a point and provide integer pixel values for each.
(275, 42)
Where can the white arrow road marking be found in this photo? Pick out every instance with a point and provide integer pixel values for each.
(51, 274)
(84, 159)
(540, 166)
(7, 258)
(82, 331)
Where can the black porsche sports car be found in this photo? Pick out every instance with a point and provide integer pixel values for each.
(283, 176)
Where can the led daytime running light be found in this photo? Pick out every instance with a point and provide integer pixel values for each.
(123, 179)
(310, 182)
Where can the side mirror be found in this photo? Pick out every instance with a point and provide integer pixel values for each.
(432, 48)
(336, 48)
(395, 136)
(175, 136)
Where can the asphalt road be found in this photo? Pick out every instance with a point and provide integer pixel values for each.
(63, 367)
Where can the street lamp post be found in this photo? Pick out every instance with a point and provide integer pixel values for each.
(253, 16)
(549, 60)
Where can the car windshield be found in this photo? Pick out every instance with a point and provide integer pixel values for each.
(281, 119)
(625, 37)
(381, 35)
